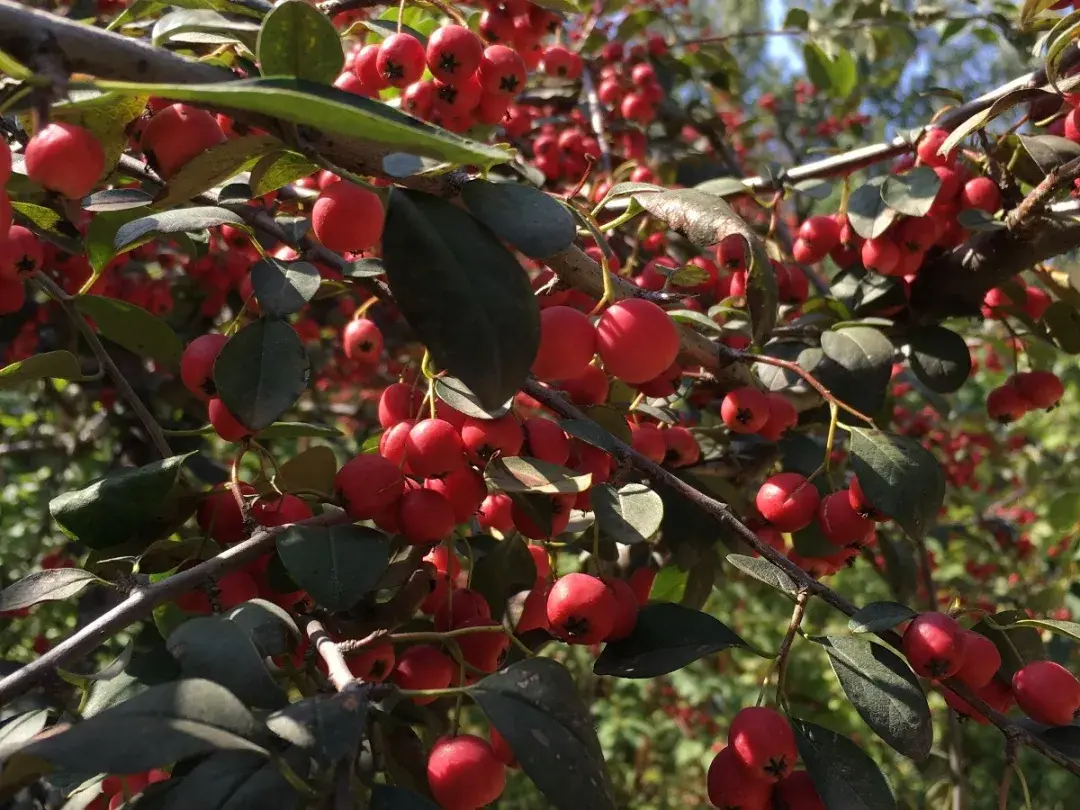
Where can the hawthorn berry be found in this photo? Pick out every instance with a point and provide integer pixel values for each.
(373, 663)
(197, 364)
(861, 504)
(219, 515)
(400, 60)
(425, 516)
(927, 150)
(636, 340)
(362, 340)
(485, 439)
(782, 417)
(453, 53)
(347, 218)
(419, 99)
(649, 441)
(464, 489)
(459, 98)
(1006, 404)
(934, 645)
(423, 667)
(534, 521)
(626, 608)
(840, 522)
(21, 254)
(981, 661)
(1047, 693)
(731, 787)
(591, 388)
(398, 402)
(280, 511)
(463, 605)
(561, 63)
(1042, 389)
(366, 68)
(392, 444)
(581, 609)
(484, 650)
(64, 158)
(464, 773)
(496, 512)
(225, 425)
(501, 71)
(995, 694)
(788, 501)
(880, 255)
(368, 485)
(682, 448)
(434, 448)
(763, 743)
(177, 134)
(545, 440)
(745, 410)
(981, 193)
(796, 791)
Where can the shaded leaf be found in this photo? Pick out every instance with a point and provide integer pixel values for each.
(59, 364)
(213, 780)
(18, 729)
(980, 119)
(214, 166)
(282, 288)
(525, 217)
(876, 617)
(1063, 324)
(327, 727)
(457, 395)
(279, 169)
(523, 474)
(912, 193)
(51, 585)
(389, 797)
(312, 469)
(1018, 645)
(939, 358)
(134, 328)
(1049, 151)
(144, 229)
(1056, 626)
(507, 569)
(299, 40)
(337, 565)
(630, 514)
(845, 777)
(763, 571)
(868, 212)
(268, 626)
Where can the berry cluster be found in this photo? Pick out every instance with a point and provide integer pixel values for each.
(118, 791)
(1023, 392)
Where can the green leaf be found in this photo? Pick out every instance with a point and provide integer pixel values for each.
(721, 186)
(1018, 646)
(279, 169)
(667, 638)
(312, 469)
(868, 212)
(116, 199)
(60, 364)
(337, 565)
(975, 219)
(535, 705)
(1063, 324)
(326, 727)
(269, 626)
(119, 506)
(389, 797)
(145, 229)
(524, 474)
(939, 358)
(876, 617)
(214, 648)
(330, 110)
(1056, 626)
(261, 372)
(52, 585)
(630, 514)
(214, 166)
(797, 18)
(1030, 9)
(43, 218)
(203, 27)
(835, 74)
(899, 476)
(466, 296)
(856, 368)
(213, 781)
(912, 193)
(669, 584)
(299, 40)
(457, 395)
(133, 328)
(282, 288)
(525, 217)
(845, 777)
(160, 726)
(884, 691)
(1049, 151)
(764, 571)
(980, 119)
(507, 569)
(1064, 511)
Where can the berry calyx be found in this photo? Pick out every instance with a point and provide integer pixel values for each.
(197, 364)
(763, 743)
(373, 663)
(745, 410)
(581, 609)
(362, 340)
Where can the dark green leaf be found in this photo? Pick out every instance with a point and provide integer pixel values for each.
(144, 229)
(214, 166)
(1049, 151)
(535, 705)
(17, 730)
(523, 474)
(269, 626)
(1018, 646)
(365, 268)
(763, 571)
(835, 74)
(1063, 323)
(60, 364)
(203, 27)
(312, 469)
(457, 395)
(884, 691)
(326, 727)
(507, 569)
(116, 199)
(101, 234)
(912, 193)
(876, 617)
(699, 320)
(1056, 626)
(845, 777)
(278, 169)
(899, 476)
(261, 372)
(980, 119)
(133, 328)
(282, 288)
(1064, 510)
(525, 217)
(211, 782)
(939, 358)
(389, 797)
(268, 789)
(590, 432)
(630, 514)
(867, 211)
(296, 430)
(119, 506)
(337, 565)
(667, 637)
(466, 296)
(975, 219)
(299, 40)
(51, 585)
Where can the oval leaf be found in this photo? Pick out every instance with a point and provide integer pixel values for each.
(457, 395)
(52, 585)
(535, 705)
(337, 565)
(845, 777)
(523, 474)
(283, 287)
(507, 569)
(299, 40)
(877, 617)
(763, 571)
(912, 193)
(133, 328)
(526, 217)
(939, 358)
(261, 372)
(868, 213)
(214, 166)
(144, 229)
(667, 637)
(630, 514)
(884, 691)
(60, 364)
(1018, 645)
(278, 169)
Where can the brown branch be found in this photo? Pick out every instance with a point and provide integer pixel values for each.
(797, 614)
(332, 8)
(596, 118)
(1036, 201)
(327, 649)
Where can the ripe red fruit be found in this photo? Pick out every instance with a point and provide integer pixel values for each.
(373, 663)
(534, 527)
(788, 501)
(501, 71)
(982, 193)
(453, 53)
(347, 218)
(463, 605)
(486, 438)
(464, 489)
(5, 162)
(1006, 404)
(1043, 389)
(464, 773)
(796, 791)
(730, 786)
(484, 650)
(840, 522)
(782, 416)
(368, 485)
(197, 364)
(64, 158)
(398, 402)
(859, 502)
(637, 108)
(423, 667)
(496, 512)
(880, 255)
(649, 441)
(934, 645)
(561, 63)
(5, 211)
(419, 99)
(636, 340)
(177, 134)
(400, 60)
(459, 98)
(219, 516)
(362, 340)
(591, 388)
(281, 510)
(626, 609)
(996, 694)
(567, 344)
(502, 748)
(21, 254)
(1047, 693)
(425, 515)
(581, 609)
(745, 410)
(763, 743)
(929, 145)
(821, 233)
(226, 425)
(981, 661)
(546, 441)
(434, 449)
(366, 68)
(682, 448)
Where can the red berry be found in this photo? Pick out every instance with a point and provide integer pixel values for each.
(562, 63)
(426, 516)
(419, 99)
(929, 145)
(880, 255)
(226, 425)
(400, 60)
(796, 791)
(459, 98)
(1047, 693)
(502, 748)
(1043, 389)
(626, 609)
(64, 158)
(934, 645)
(545, 440)
(464, 489)
(5, 211)
(841, 523)
(197, 364)
(347, 218)
(730, 786)
(486, 438)
(649, 441)
(464, 773)
(280, 511)
(496, 512)
(788, 501)
(219, 516)
(453, 53)
(177, 134)
(995, 694)
(567, 344)
(1006, 404)
(501, 71)
(534, 526)
(21, 254)
(362, 340)
(981, 661)
(637, 108)
(581, 609)
(641, 582)
(373, 663)
(860, 503)
(782, 416)
(434, 449)
(366, 68)
(591, 388)
(636, 340)
(745, 410)
(682, 448)
(464, 605)
(5, 162)
(763, 743)
(423, 667)
(484, 650)
(982, 193)
(368, 485)
(398, 402)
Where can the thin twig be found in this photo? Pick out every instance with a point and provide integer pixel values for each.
(789, 637)
(328, 650)
(596, 119)
(1037, 199)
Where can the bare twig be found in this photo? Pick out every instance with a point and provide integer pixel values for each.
(1036, 201)
(596, 119)
(327, 649)
(789, 637)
